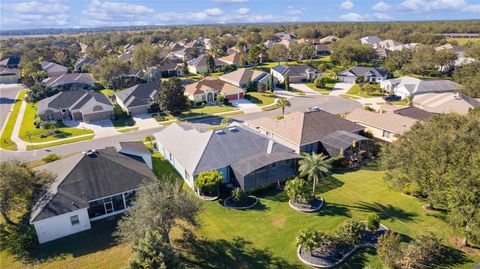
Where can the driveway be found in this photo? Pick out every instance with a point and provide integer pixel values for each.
(304, 88)
(101, 128)
(341, 88)
(145, 121)
(245, 105)
(8, 92)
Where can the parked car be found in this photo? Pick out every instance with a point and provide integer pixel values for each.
(392, 97)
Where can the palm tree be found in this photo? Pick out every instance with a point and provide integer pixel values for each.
(282, 102)
(310, 239)
(314, 167)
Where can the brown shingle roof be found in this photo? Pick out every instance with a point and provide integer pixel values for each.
(210, 83)
(388, 121)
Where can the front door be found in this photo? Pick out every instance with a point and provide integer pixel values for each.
(210, 97)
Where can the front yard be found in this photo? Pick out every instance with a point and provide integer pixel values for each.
(6, 141)
(358, 91)
(261, 99)
(263, 237)
(40, 134)
(325, 90)
(202, 111)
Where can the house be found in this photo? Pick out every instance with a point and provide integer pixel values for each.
(77, 105)
(171, 68)
(70, 81)
(199, 65)
(184, 54)
(286, 36)
(138, 150)
(328, 39)
(88, 186)
(410, 86)
(240, 77)
(459, 51)
(207, 90)
(244, 157)
(138, 99)
(370, 40)
(414, 113)
(322, 49)
(384, 126)
(305, 131)
(370, 74)
(446, 102)
(125, 56)
(403, 46)
(234, 59)
(9, 75)
(381, 53)
(128, 48)
(81, 62)
(10, 61)
(386, 44)
(295, 73)
(269, 44)
(53, 69)
(288, 43)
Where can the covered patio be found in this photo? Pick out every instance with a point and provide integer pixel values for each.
(264, 169)
(339, 141)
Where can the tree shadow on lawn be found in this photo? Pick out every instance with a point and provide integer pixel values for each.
(387, 211)
(98, 238)
(333, 209)
(235, 253)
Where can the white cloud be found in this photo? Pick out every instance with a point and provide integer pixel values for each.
(382, 16)
(353, 17)
(35, 7)
(243, 11)
(107, 13)
(34, 14)
(444, 5)
(381, 6)
(214, 11)
(293, 11)
(346, 4)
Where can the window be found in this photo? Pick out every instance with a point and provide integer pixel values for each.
(387, 134)
(74, 220)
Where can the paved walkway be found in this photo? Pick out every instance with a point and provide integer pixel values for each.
(16, 129)
(341, 88)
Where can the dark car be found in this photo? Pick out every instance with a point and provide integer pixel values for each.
(392, 97)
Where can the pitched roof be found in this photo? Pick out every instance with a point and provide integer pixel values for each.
(199, 61)
(388, 121)
(364, 71)
(286, 36)
(53, 67)
(303, 128)
(68, 78)
(233, 58)
(140, 94)
(417, 86)
(82, 178)
(84, 60)
(414, 113)
(328, 39)
(73, 99)
(370, 39)
(136, 146)
(211, 83)
(243, 75)
(10, 61)
(294, 70)
(339, 140)
(446, 102)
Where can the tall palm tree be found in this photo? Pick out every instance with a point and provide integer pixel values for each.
(314, 167)
(282, 102)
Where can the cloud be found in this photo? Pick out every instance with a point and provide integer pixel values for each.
(243, 11)
(35, 7)
(214, 11)
(293, 11)
(346, 4)
(34, 14)
(353, 17)
(439, 5)
(381, 6)
(107, 13)
(382, 16)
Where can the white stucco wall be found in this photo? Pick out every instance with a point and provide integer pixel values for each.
(146, 157)
(180, 169)
(61, 226)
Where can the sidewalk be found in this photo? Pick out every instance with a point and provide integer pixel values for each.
(16, 129)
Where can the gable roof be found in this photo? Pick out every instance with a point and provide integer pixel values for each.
(140, 94)
(73, 99)
(85, 177)
(68, 78)
(50, 67)
(211, 83)
(446, 102)
(10, 61)
(366, 71)
(286, 36)
(294, 70)
(83, 61)
(303, 128)
(243, 75)
(414, 113)
(328, 39)
(370, 39)
(233, 58)
(417, 86)
(388, 121)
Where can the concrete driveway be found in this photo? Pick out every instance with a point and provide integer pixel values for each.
(145, 121)
(101, 128)
(245, 105)
(8, 92)
(341, 88)
(302, 87)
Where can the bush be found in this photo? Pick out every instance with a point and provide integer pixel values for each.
(238, 195)
(413, 189)
(296, 190)
(220, 99)
(159, 118)
(208, 181)
(350, 232)
(320, 82)
(373, 222)
(229, 68)
(426, 250)
(388, 249)
(51, 158)
(368, 108)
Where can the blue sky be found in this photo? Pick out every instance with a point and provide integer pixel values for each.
(17, 14)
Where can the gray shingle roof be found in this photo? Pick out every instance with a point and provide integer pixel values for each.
(69, 78)
(366, 71)
(140, 94)
(73, 99)
(294, 70)
(414, 113)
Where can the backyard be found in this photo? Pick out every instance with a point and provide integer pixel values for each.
(263, 237)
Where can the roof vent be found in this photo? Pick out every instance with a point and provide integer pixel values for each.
(220, 132)
(270, 146)
(233, 129)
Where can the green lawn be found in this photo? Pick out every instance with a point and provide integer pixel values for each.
(463, 41)
(28, 127)
(357, 91)
(127, 130)
(202, 111)
(62, 142)
(264, 237)
(6, 142)
(260, 99)
(325, 91)
(108, 92)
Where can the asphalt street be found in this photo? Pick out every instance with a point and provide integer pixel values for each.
(7, 98)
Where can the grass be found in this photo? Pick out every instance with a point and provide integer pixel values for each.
(325, 91)
(123, 122)
(107, 92)
(263, 237)
(28, 127)
(61, 142)
(6, 142)
(260, 99)
(202, 111)
(350, 96)
(356, 90)
(463, 41)
(126, 130)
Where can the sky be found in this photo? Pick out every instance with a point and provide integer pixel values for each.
(18, 14)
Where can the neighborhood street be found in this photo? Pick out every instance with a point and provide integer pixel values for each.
(8, 92)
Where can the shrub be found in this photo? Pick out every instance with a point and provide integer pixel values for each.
(359, 79)
(388, 249)
(296, 190)
(350, 232)
(424, 251)
(413, 189)
(220, 99)
(18, 239)
(159, 117)
(320, 82)
(208, 181)
(51, 158)
(238, 195)
(373, 222)
(369, 108)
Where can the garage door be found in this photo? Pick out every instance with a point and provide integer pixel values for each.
(347, 79)
(105, 115)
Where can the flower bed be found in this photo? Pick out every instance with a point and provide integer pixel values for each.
(312, 206)
(249, 202)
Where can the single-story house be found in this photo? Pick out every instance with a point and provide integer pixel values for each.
(171, 68)
(136, 149)
(384, 126)
(370, 74)
(370, 40)
(80, 63)
(328, 39)
(305, 131)
(207, 90)
(9, 75)
(233, 58)
(77, 105)
(286, 36)
(446, 102)
(184, 54)
(138, 99)
(126, 56)
(240, 77)
(407, 111)
(199, 65)
(410, 86)
(244, 157)
(386, 44)
(295, 73)
(322, 49)
(88, 186)
(53, 69)
(460, 51)
(70, 81)
(128, 48)
(10, 61)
